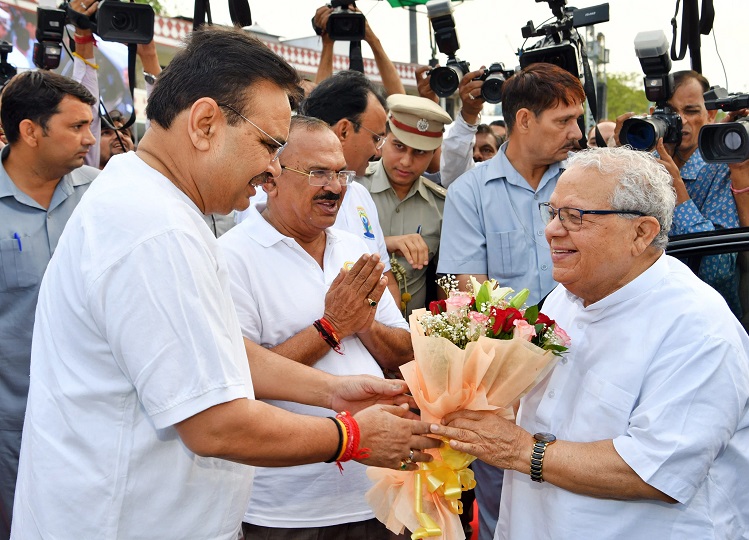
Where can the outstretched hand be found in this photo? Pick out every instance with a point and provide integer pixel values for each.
(394, 441)
(357, 392)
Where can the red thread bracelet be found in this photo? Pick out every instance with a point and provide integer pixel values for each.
(737, 191)
(328, 333)
(351, 450)
(80, 40)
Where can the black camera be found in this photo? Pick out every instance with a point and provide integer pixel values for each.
(445, 80)
(50, 26)
(7, 71)
(727, 142)
(494, 77)
(343, 24)
(642, 133)
(124, 22)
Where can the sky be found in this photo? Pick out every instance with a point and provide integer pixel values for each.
(489, 30)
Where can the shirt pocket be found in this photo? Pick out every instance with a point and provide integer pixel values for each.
(507, 254)
(16, 265)
(602, 411)
(432, 241)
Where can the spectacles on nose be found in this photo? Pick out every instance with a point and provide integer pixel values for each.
(572, 218)
(274, 150)
(379, 140)
(325, 178)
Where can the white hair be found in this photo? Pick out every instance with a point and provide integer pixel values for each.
(643, 184)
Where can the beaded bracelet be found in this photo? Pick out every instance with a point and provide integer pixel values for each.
(737, 191)
(351, 448)
(328, 333)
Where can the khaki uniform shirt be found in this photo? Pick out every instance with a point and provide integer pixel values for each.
(421, 210)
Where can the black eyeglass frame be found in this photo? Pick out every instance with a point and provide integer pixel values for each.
(556, 212)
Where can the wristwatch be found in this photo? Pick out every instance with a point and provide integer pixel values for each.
(537, 456)
(150, 79)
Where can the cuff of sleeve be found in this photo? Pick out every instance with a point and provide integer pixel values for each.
(191, 407)
(461, 124)
(652, 472)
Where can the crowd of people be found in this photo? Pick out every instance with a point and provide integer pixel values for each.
(195, 329)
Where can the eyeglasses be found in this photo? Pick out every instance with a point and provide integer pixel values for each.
(572, 218)
(379, 140)
(325, 178)
(279, 145)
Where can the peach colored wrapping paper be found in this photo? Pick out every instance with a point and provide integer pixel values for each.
(489, 374)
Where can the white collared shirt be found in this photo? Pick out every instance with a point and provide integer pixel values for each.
(279, 290)
(660, 366)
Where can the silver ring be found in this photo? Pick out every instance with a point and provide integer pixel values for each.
(83, 5)
(410, 458)
(471, 96)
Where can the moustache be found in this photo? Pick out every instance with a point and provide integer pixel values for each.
(260, 179)
(327, 196)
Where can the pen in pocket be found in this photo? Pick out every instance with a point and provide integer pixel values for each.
(18, 239)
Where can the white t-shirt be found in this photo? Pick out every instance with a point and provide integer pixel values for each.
(279, 290)
(135, 331)
(660, 366)
(357, 215)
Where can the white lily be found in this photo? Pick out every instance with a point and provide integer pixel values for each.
(496, 292)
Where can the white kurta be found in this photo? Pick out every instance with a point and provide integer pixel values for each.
(279, 290)
(135, 331)
(659, 366)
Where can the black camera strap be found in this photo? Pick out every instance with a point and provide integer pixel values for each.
(692, 25)
(355, 60)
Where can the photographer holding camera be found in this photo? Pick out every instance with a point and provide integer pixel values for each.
(704, 201)
(388, 72)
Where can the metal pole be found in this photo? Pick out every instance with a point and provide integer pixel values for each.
(412, 34)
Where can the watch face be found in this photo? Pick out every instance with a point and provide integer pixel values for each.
(545, 437)
(150, 79)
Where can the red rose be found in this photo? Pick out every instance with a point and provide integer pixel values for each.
(437, 307)
(546, 321)
(504, 318)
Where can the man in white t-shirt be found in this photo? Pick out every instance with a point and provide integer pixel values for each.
(141, 416)
(294, 236)
(641, 430)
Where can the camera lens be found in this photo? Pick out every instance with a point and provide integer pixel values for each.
(642, 133)
(725, 143)
(732, 140)
(121, 21)
(445, 80)
(491, 90)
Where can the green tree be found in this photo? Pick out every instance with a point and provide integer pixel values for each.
(626, 93)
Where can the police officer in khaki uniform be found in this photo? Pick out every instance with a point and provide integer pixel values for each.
(410, 206)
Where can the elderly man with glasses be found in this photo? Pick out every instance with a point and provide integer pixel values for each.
(642, 428)
(312, 293)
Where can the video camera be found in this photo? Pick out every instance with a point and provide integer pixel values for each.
(124, 22)
(445, 80)
(7, 71)
(562, 44)
(727, 142)
(642, 133)
(343, 24)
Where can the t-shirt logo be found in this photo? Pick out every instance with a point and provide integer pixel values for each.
(365, 222)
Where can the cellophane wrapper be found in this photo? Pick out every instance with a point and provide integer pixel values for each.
(490, 374)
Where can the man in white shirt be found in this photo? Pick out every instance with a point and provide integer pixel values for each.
(642, 428)
(294, 237)
(141, 416)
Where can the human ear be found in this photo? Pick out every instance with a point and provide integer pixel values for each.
(203, 121)
(646, 229)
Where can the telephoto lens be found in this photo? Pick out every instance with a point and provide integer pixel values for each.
(725, 143)
(642, 133)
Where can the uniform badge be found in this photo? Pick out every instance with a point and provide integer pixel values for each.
(422, 124)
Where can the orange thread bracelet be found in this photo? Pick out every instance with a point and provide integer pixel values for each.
(328, 333)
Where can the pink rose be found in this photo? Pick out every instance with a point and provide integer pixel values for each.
(524, 330)
(478, 317)
(457, 301)
(562, 335)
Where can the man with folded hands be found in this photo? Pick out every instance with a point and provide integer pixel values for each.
(312, 293)
(641, 430)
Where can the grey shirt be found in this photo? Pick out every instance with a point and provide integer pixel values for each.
(28, 236)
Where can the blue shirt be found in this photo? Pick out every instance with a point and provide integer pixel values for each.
(28, 237)
(492, 226)
(711, 206)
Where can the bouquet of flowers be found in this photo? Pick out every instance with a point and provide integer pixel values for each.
(478, 350)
